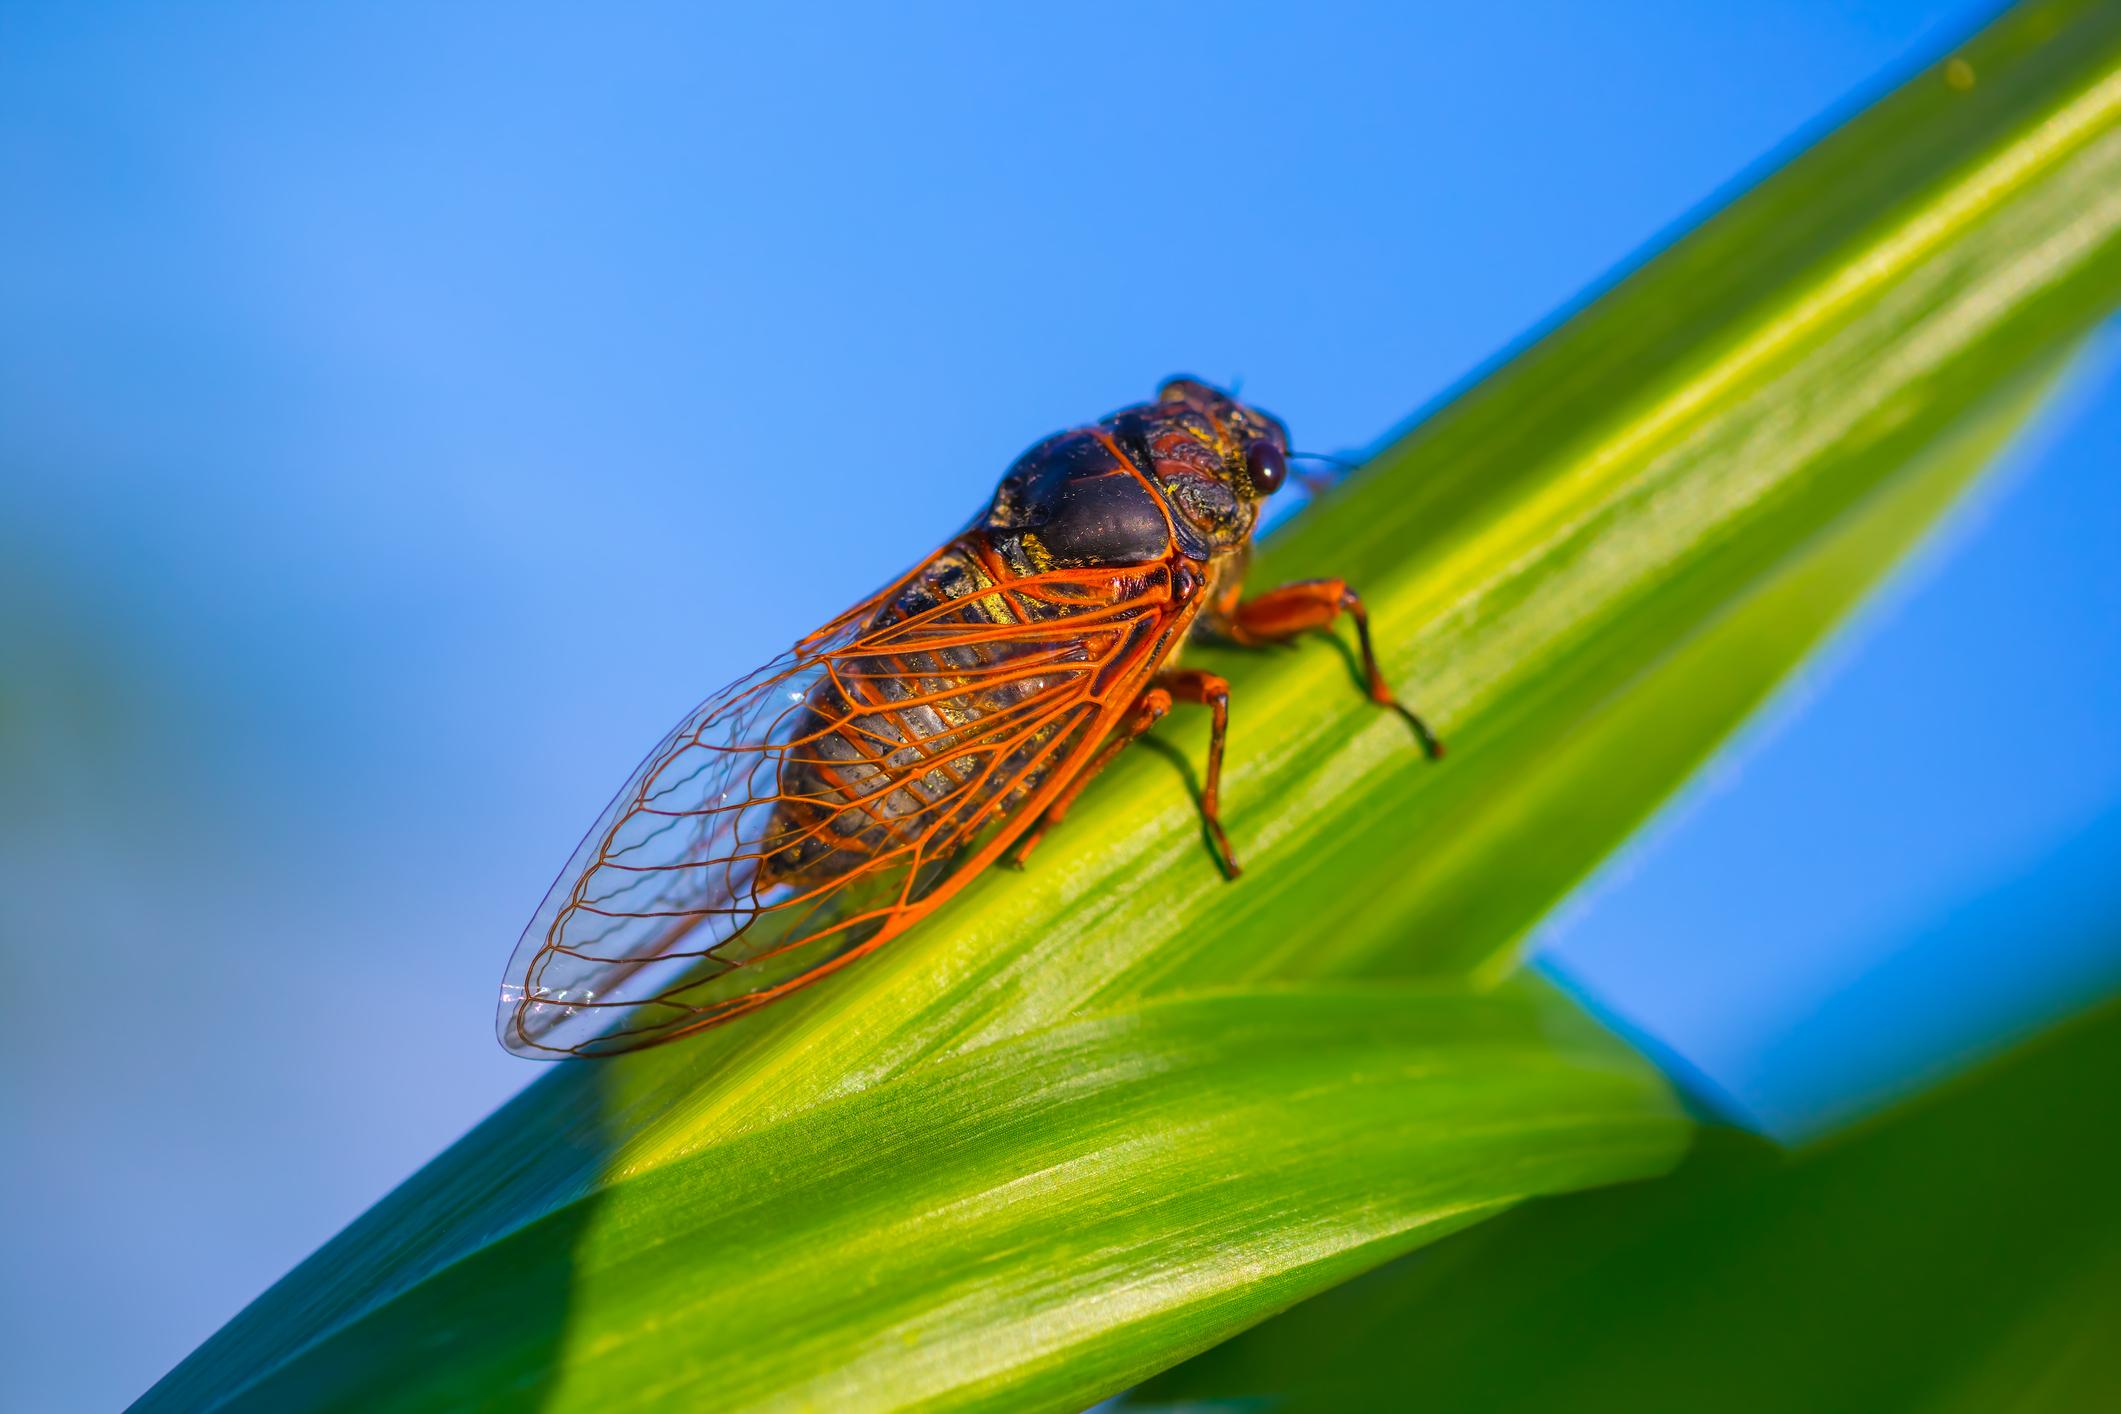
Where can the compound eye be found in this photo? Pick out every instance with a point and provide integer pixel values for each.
(1266, 466)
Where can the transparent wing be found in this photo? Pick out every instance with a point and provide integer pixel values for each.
(816, 807)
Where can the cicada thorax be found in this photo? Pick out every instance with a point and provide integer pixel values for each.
(982, 671)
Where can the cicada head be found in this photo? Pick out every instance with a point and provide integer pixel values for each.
(1214, 457)
(1202, 463)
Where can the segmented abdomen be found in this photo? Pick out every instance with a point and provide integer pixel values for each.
(954, 725)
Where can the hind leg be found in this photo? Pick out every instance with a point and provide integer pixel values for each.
(1149, 709)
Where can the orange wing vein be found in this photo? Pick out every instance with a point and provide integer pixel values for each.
(824, 803)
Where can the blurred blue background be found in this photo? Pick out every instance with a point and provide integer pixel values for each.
(394, 404)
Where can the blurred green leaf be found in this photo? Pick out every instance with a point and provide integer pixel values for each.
(1588, 568)
(1962, 1253)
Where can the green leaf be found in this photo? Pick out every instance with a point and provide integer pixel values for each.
(978, 1228)
(1587, 568)
(1959, 1254)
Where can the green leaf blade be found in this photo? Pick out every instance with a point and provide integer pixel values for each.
(1960, 1252)
(1034, 1225)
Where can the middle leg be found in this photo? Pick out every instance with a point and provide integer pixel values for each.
(1189, 685)
(1211, 691)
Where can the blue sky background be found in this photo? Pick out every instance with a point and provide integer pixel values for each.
(394, 404)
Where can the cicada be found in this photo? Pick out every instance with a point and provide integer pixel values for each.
(817, 808)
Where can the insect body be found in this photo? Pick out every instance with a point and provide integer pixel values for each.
(822, 805)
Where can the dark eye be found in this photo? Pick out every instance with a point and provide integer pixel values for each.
(1266, 466)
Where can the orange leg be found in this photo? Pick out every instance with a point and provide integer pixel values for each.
(1174, 684)
(1149, 709)
(1281, 614)
(1210, 691)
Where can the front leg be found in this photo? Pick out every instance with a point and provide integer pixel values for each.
(1281, 614)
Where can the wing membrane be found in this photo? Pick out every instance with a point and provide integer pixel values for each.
(821, 804)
